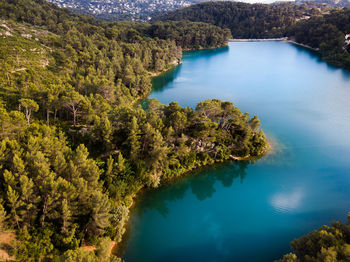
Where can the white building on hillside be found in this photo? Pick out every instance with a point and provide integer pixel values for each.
(347, 39)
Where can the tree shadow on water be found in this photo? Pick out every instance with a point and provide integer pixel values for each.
(206, 52)
(160, 82)
(200, 183)
(203, 185)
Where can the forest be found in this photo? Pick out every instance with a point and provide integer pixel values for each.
(328, 243)
(76, 145)
(246, 20)
(319, 26)
(327, 34)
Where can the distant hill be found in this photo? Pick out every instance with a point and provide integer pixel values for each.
(335, 3)
(123, 9)
(246, 20)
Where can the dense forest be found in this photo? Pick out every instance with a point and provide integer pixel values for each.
(318, 26)
(95, 56)
(75, 144)
(246, 20)
(329, 243)
(194, 35)
(327, 34)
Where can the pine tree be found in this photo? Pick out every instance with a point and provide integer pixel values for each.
(15, 204)
(29, 199)
(72, 101)
(3, 218)
(30, 107)
(66, 217)
(86, 167)
(100, 214)
(134, 139)
(158, 153)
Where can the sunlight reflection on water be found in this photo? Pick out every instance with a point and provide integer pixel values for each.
(286, 202)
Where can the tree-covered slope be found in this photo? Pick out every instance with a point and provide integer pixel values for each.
(106, 55)
(307, 24)
(75, 148)
(326, 33)
(328, 243)
(196, 36)
(243, 19)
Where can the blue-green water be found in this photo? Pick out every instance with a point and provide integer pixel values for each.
(251, 211)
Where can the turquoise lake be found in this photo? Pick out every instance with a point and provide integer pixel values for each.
(241, 211)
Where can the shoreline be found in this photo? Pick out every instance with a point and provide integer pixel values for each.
(120, 247)
(303, 45)
(178, 62)
(259, 39)
(172, 65)
(205, 48)
(281, 39)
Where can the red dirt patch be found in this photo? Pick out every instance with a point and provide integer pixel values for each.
(89, 248)
(5, 240)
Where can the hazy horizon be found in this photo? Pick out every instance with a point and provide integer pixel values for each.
(249, 1)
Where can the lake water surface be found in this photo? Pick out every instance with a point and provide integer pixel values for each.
(251, 211)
